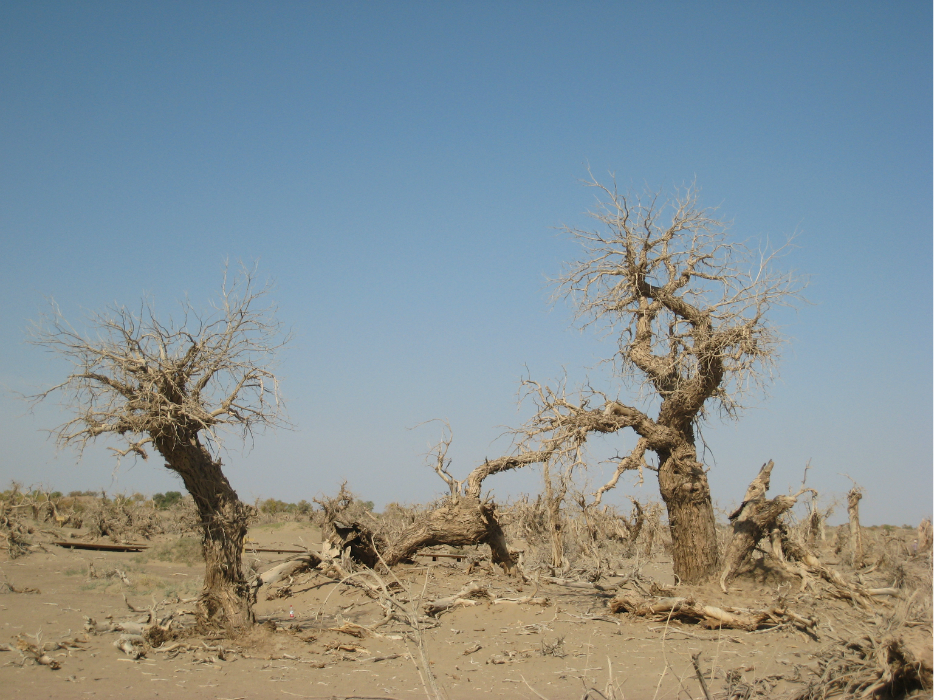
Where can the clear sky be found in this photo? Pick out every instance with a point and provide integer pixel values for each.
(399, 169)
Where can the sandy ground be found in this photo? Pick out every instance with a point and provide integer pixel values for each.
(484, 650)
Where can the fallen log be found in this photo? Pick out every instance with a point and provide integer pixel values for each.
(531, 599)
(799, 560)
(305, 561)
(573, 583)
(459, 522)
(37, 654)
(709, 616)
(133, 645)
(101, 547)
(468, 595)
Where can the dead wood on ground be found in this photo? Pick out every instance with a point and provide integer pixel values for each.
(870, 668)
(689, 609)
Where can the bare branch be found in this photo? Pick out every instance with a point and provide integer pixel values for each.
(634, 460)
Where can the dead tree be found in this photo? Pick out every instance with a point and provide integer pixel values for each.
(690, 311)
(175, 385)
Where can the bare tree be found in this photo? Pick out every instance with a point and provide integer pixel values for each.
(690, 309)
(174, 385)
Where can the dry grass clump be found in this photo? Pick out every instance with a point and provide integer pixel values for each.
(185, 550)
(594, 540)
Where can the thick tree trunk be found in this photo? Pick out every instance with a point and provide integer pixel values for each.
(225, 599)
(466, 521)
(684, 488)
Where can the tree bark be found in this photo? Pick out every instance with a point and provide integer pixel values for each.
(684, 488)
(225, 600)
(459, 523)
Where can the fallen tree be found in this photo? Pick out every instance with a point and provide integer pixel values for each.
(759, 518)
(464, 518)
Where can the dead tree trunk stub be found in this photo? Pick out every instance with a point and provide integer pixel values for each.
(756, 517)
(856, 533)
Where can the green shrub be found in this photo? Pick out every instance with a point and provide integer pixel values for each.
(167, 499)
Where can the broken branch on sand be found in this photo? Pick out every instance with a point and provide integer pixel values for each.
(690, 610)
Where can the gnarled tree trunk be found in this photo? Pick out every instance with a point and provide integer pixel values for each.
(684, 488)
(459, 522)
(225, 599)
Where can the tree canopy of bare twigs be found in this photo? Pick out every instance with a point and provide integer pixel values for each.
(139, 379)
(689, 306)
(178, 384)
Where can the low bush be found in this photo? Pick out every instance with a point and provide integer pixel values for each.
(166, 500)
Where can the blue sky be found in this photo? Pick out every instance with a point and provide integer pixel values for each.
(399, 169)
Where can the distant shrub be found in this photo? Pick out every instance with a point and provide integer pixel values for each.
(272, 506)
(167, 499)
